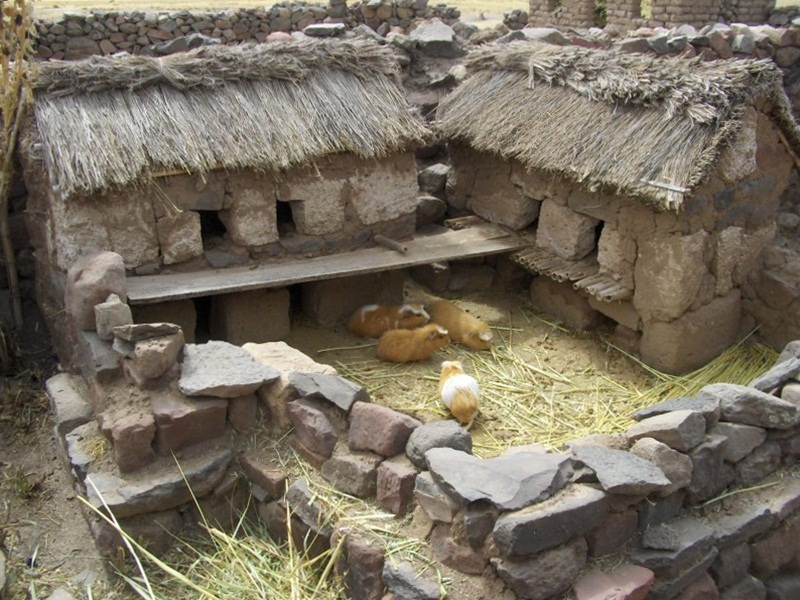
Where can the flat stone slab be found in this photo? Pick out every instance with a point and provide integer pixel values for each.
(325, 29)
(437, 434)
(777, 375)
(331, 388)
(741, 404)
(161, 485)
(621, 472)
(678, 544)
(705, 405)
(222, 370)
(69, 401)
(406, 583)
(508, 482)
(681, 430)
(144, 331)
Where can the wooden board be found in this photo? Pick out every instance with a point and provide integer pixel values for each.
(431, 244)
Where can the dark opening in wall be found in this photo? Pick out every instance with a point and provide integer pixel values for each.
(285, 219)
(597, 232)
(212, 229)
(202, 307)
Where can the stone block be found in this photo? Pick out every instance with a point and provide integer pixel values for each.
(266, 474)
(360, 565)
(436, 276)
(222, 370)
(332, 301)
(96, 360)
(454, 555)
(547, 574)
(109, 314)
(132, 438)
(317, 200)
(354, 473)
(436, 434)
(395, 485)
(710, 474)
(243, 412)
(405, 581)
(598, 205)
(90, 281)
(564, 232)
(681, 430)
(329, 389)
(660, 510)
(627, 582)
(255, 316)
(741, 439)
(694, 339)
(180, 312)
(466, 278)
(622, 473)
(68, 401)
(616, 530)
(179, 237)
(379, 429)
(749, 406)
(312, 427)
(622, 312)
(155, 356)
(194, 192)
(383, 190)
(183, 421)
(776, 549)
(726, 257)
(748, 588)
(669, 549)
(315, 459)
(564, 303)
(430, 209)
(436, 504)
(668, 274)
(433, 179)
(759, 464)
(785, 586)
(250, 212)
(616, 255)
(731, 565)
(675, 465)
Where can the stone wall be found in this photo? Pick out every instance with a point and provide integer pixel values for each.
(662, 13)
(80, 35)
(657, 496)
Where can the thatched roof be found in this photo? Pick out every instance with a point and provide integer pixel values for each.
(610, 120)
(111, 121)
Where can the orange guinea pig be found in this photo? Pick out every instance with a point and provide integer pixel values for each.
(372, 320)
(459, 392)
(406, 345)
(462, 326)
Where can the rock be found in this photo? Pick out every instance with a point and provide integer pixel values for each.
(354, 473)
(564, 232)
(740, 439)
(571, 513)
(436, 39)
(564, 303)
(739, 527)
(676, 466)
(222, 370)
(89, 282)
(395, 485)
(430, 209)
(777, 375)
(508, 482)
(621, 472)
(730, 565)
(154, 357)
(110, 314)
(184, 421)
(679, 543)
(613, 533)
(329, 387)
(659, 44)
(437, 434)
(548, 35)
(379, 429)
(433, 500)
(544, 576)
(454, 555)
(433, 179)
(762, 462)
(132, 437)
(243, 412)
(303, 505)
(705, 405)
(161, 485)
(743, 44)
(478, 522)
(267, 475)
(68, 401)
(96, 359)
(183, 44)
(784, 586)
(312, 427)
(179, 237)
(361, 565)
(680, 429)
(748, 588)
(633, 46)
(710, 474)
(57, 594)
(81, 47)
(791, 350)
(325, 30)
(627, 582)
(740, 404)
(145, 331)
(405, 582)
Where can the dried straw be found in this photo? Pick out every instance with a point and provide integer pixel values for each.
(610, 120)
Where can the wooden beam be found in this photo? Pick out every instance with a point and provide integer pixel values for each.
(432, 244)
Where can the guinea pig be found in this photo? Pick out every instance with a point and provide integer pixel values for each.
(459, 392)
(406, 345)
(462, 326)
(372, 320)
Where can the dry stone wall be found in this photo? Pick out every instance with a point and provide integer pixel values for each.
(527, 521)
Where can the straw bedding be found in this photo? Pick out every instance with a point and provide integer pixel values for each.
(610, 120)
(110, 121)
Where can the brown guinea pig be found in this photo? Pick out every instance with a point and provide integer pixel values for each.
(406, 345)
(462, 326)
(459, 392)
(372, 320)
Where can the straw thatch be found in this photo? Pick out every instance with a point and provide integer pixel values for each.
(611, 120)
(110, 121)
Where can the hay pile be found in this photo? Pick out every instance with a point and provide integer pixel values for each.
(611, 120)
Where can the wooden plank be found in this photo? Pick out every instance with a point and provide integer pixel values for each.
(432, 246)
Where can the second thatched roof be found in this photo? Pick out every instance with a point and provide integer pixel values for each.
(111, 121)
(646, 127)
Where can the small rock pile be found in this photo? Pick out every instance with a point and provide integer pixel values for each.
(516, 19)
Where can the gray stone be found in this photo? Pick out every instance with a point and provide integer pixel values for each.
(434, 178)
(791, 350)
(302, 503)
(659, 44)
(741, 439)
(676, 466)
(433, 500)
(785, 586)
(705, 405)
(96, 359)
(743, 44)
(570, 514)
(740, 404)
(312, 427)
(660, 510)
(69, 402)
(452, 554)
(677, 43)
(621, 472)
(749, 588)
(79, 443)
(325, 29)
(783, 499)
(354, 473)
(220, 259)
(405, 582)
(379, 429)
(670, 585)
(222, 370)
(161, 485)
(89, 282)
(547, 35)
(361, 564)
(760, 463)
(740, 527)
(688, 538)
(680, 429)
(145, 331)
(508, 482)
(430, 209)
(777, 375)
(544, 576)
(154, 357)
(564, 232)
(437, 434)
(633, 46)
(730, 565)
(710, 474)
(331, 388)
(109, 314)
(478, 521)
(661, 537)
(436, 39)
(183, 44)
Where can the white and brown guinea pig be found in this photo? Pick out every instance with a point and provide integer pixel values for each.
(372, 320)
(406, 345)
(459, 392)
(462, 326)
